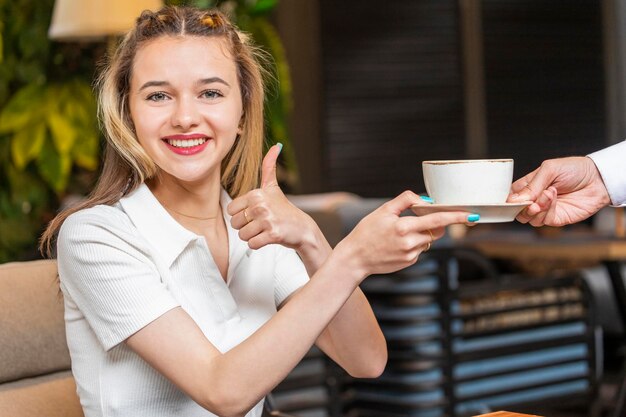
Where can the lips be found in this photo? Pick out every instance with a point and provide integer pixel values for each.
(186, 144)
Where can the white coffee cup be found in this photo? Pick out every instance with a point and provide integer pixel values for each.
(469, 181)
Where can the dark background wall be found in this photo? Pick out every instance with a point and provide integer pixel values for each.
(544, 74)
(381, 86)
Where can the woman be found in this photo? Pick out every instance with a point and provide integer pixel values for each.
(179, 300)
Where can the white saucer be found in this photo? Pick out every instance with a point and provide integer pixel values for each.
(489, 213)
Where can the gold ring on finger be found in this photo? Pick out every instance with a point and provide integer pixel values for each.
(245, 214)
(427, 247)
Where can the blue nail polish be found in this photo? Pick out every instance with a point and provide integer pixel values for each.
(280, 145)
(473, 218)
(427, 199)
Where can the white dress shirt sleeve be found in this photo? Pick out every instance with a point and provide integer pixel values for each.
(611, 163)
(106, 270)
(290, 274)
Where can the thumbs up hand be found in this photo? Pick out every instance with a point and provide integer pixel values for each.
(265, 216)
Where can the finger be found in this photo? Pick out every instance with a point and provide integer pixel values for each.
(550, 218)
(544, 201)
(250, 230)
(542, 204)
(438, 232)
(401, 202)
(429, 236)
(520, 190)
(408, 225)
(260, 240)
(523, 216)
(237, 205)
(425, 200)
(544, 177)
(268, 169)
(521, 183)
(536, 213)
(439, 220)
(239, 221)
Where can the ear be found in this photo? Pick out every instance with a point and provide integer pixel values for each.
(242, 119)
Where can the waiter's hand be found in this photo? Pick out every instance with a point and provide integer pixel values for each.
(563, 191)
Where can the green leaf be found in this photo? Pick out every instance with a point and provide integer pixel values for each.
(21, 109)
(203, 4)
(267, 35)
(63, 132)
(27, 143)
(85, 151)
(26, 187)
(16, 231)
(54, 167)
(263, 6)
(82, 91)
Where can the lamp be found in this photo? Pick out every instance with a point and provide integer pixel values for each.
(95, 19)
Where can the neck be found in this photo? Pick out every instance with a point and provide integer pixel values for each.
(192, 201)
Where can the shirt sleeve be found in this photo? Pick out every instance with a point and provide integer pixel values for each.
(611, 162)
(107, 272)
(290, 274)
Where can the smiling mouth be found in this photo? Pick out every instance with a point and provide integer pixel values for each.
(185, 143)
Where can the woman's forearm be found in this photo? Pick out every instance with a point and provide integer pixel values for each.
(314, 249)
(287, 337)
(353, 338)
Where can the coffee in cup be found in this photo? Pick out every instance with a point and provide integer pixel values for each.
(468, 181)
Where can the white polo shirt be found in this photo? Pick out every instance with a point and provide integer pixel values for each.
(123, 266)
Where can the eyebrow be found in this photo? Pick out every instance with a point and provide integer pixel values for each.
(203, 81)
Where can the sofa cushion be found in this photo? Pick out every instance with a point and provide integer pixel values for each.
(50, 396)
(32, 330)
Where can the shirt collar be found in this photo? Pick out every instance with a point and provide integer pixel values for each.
(164, 233)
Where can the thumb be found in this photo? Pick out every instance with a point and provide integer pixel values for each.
(530, 188)
(402, 202)
(268, 169)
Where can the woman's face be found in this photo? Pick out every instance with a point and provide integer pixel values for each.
(185, 103)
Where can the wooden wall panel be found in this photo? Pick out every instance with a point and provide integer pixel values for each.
(392, 93)
(544, 79)
(392, 87)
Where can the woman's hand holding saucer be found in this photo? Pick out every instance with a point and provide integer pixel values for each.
(385, 242)
(265, 216)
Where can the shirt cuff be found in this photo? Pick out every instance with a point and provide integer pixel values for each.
(610, 163)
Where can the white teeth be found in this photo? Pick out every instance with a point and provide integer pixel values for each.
(178, 143)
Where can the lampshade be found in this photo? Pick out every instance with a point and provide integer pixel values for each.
(93, 19)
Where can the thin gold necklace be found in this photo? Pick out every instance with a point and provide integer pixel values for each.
(191, 217)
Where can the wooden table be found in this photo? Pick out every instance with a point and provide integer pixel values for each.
(574, 246)
(567, 249)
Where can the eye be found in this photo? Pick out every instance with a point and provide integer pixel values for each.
(158, 96)
(211, 94)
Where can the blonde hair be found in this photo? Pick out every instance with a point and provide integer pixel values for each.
(126, 165)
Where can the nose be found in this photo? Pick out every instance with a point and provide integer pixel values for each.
(185, 114)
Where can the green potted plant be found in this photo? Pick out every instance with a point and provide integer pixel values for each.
(48, 130)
